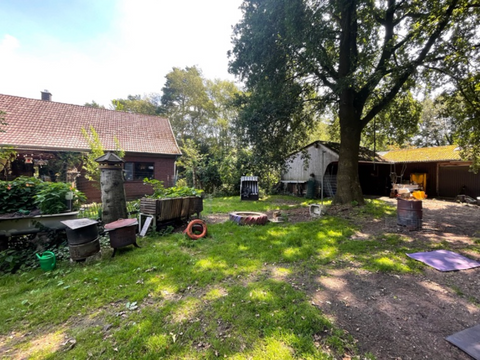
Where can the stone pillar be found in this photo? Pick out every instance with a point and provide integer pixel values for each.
(114, 204)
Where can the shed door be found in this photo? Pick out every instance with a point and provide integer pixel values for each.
(453, 178)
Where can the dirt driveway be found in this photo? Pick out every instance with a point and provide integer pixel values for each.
(409, 316)
(404, 316)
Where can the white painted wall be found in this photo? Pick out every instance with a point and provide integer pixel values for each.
(297, 170)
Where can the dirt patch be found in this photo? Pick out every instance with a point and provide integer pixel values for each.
(403, 317)
(396, 317)
(406, 316)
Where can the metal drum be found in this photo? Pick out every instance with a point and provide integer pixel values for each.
(122, 233)
(409, 214)
(82, 235)
(82, 251)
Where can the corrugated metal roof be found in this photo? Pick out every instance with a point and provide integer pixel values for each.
(364, 154)
(47, 124)
(439, 153)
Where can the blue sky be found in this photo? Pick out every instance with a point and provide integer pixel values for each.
(84, 50)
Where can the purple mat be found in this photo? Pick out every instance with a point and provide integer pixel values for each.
(445, 260)
(467, 340)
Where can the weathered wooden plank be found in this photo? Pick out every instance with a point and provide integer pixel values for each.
(170, 209)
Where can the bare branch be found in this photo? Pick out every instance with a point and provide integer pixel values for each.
(376, 77)
(387, 52)
(324, 79)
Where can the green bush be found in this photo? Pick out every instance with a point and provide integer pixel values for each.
(17, 194)
(28, 193)
(160, 192)
(50, 199)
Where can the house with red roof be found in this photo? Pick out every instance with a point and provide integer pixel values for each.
(44, 133)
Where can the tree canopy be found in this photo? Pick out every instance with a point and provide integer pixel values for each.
(202, 113)
(462, 106)
(137, 104)
(94, 105)
(354, 56)
(435, 127)
(186, 102)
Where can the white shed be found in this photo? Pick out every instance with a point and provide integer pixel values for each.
(311, 159)
(320, 159)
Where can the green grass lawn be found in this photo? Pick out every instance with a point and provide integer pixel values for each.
(216, 205)
(229, 295)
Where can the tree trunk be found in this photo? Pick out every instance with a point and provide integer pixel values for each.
(194, 177)
(114, 204)
(348, 181)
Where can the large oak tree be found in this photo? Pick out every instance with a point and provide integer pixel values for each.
(355, 56)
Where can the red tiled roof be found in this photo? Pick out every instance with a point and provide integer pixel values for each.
(39, 124)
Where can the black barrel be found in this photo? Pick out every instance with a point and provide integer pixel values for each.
(82, 251)
(81, 231)
(82, 235)
(409, 214)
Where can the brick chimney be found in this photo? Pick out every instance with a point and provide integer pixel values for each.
(46, 95)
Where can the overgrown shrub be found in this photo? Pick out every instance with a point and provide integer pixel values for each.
(160, 192)
(18, 194)
(50, 198)
(29, 193)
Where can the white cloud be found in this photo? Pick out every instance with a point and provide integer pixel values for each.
(147, 39)
(8, 44)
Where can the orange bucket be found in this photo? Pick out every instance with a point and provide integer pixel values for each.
(419, 195)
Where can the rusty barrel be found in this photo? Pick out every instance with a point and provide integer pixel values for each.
(82, 251)
(409, 214)
(122, 232)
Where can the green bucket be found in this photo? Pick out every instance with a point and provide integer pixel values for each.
(47, 261)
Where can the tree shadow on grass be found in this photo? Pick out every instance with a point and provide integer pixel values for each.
(279, 291)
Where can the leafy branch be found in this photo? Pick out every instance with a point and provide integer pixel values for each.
(96, 150)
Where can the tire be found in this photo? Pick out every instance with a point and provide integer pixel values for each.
(248, 218)
(196, 225)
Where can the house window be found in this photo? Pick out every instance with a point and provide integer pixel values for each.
(138, 170)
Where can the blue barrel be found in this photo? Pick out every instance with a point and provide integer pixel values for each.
(409, 214)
